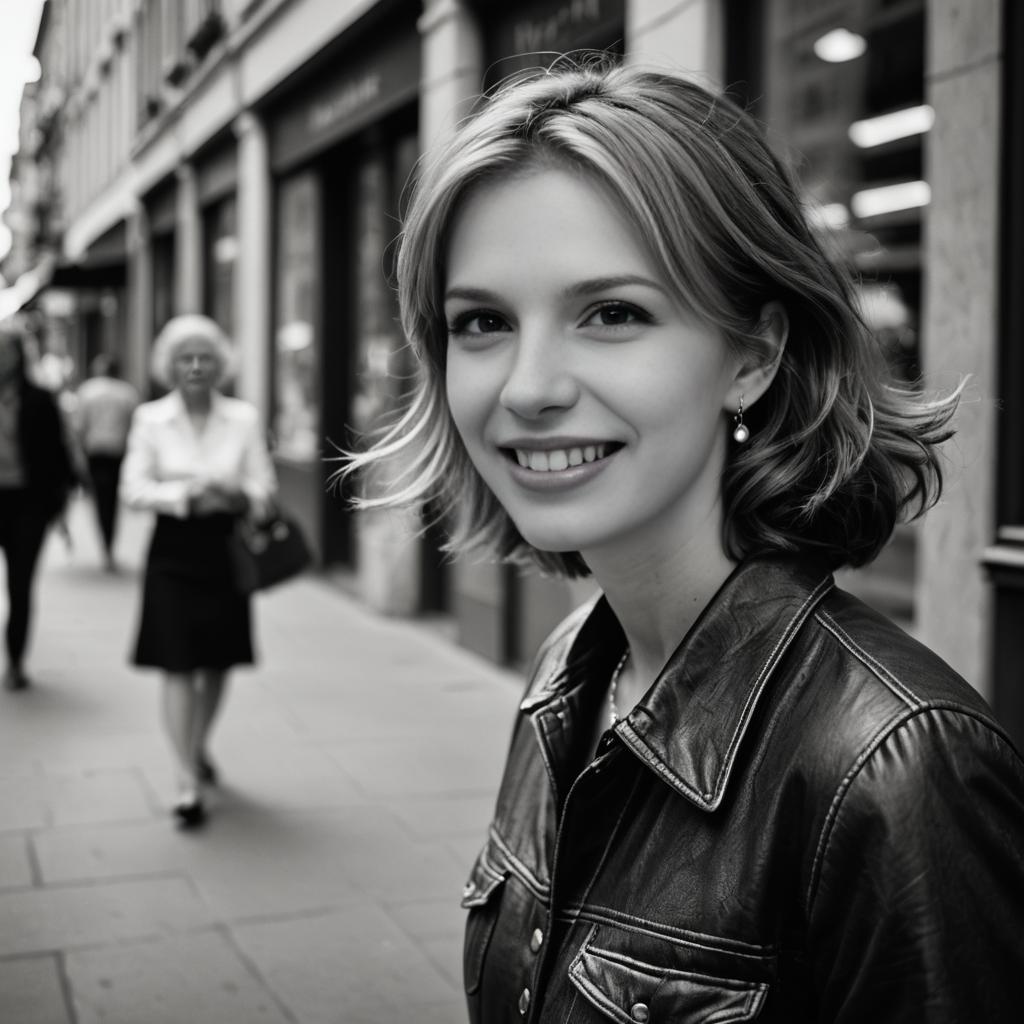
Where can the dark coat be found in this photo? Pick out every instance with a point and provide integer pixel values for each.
(48, 468)
(809, 818)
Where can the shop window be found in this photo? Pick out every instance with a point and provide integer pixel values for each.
(839, 85)
(843, 92)
(297, 371)
(219, 259)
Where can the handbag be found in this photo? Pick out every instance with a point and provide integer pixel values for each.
(267, 552)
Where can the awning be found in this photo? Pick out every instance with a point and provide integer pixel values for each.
(27, 287)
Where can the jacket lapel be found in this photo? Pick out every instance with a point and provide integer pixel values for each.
(689, 726)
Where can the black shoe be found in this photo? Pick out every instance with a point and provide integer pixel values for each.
(15, 679)
(190, 813)
(205, 771)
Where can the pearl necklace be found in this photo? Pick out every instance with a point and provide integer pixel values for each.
(613, 710)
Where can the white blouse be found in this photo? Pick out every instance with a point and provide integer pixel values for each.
(167, 460)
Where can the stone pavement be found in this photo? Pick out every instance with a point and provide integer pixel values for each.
(359, 764)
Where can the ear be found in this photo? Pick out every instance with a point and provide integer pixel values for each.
(757, 371)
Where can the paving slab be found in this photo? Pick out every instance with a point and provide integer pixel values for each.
(175, 980)
(45, 920)
(351, 967)
(32, 991)
(359, 762)
(15, 862)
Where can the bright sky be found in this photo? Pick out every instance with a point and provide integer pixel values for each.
(19, 24)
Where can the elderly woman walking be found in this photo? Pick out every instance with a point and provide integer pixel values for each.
(199, 460)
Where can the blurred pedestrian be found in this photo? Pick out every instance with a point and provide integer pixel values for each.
(36, 478)
(199, 460)
(102, 416)
(733, 791)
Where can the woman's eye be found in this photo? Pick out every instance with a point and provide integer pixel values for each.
(616, 314)
(476, 322)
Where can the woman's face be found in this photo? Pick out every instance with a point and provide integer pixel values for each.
(589, 400)
(195, 366)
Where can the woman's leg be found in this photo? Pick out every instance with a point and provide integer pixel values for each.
(26, 536)
(180, 707)
(212, 684)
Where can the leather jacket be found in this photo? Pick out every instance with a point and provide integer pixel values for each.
(808, 818)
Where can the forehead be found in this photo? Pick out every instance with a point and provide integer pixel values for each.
(195, 345)
(562, 214)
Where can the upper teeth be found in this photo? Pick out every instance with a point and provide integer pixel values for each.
(559, 458)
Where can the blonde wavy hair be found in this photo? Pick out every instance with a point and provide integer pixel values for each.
(838, 453)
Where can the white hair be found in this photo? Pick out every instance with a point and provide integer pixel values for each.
(184, 328)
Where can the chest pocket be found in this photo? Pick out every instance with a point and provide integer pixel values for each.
(482, 898)
(633, 992)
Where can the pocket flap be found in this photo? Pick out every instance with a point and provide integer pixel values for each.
(483, 881)
(633, 992)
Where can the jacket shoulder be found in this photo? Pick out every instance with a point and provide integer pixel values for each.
(880, 655)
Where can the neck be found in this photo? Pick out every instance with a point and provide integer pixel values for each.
(197, 402)
(657, 597)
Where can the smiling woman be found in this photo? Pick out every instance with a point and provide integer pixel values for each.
(733, 791)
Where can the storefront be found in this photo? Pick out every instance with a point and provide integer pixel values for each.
(840, 86)
(1005, 558)
(161, 216)
(342, 144)
(216, 172)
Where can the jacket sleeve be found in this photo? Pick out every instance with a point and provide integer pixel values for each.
(916, 901)
(141, 486)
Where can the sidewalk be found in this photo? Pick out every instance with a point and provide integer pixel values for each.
(359, 762)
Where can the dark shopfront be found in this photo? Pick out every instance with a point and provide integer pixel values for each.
(841, 86)
(341, 147)
(216, 189)
(1005, 559)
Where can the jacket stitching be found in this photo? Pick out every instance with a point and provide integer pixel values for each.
(833, 811)
(519, 869)
(655, 930)
(540, 725)
(894, 684)
(739, 985)
(708, 799)
(876, 742)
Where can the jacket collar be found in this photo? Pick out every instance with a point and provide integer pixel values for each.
(689, 725)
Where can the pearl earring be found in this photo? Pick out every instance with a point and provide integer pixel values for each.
(740, 432)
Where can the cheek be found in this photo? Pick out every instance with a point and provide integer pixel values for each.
(467, 401)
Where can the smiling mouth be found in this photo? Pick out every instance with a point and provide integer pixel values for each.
(558, 459)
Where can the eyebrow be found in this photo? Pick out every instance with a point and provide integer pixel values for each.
(590, 286)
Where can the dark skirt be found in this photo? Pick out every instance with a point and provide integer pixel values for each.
(192, 615)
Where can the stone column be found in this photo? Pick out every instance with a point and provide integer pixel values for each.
(963, 72)
(683, 36)
(253, 282)
(140, 298)
(452, 67)
(188, 248)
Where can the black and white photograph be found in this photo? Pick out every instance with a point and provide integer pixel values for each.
(511, 511)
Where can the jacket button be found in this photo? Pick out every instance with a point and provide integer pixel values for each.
(524, 1002)
(536, 940)
(640, 1012)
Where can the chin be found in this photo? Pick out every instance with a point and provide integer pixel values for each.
(557, 540)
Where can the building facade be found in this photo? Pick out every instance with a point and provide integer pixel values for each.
(247, 159)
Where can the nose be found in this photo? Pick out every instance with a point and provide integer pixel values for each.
(540, 379)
